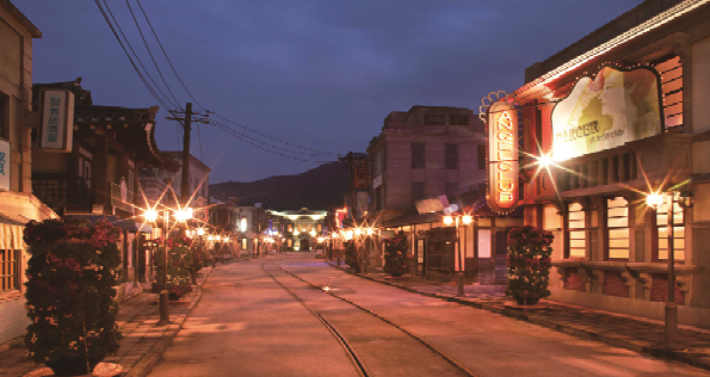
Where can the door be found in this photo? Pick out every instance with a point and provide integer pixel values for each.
(421, 254)
(305, 245)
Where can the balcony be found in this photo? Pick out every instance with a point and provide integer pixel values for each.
(59, 192)
(634, 165)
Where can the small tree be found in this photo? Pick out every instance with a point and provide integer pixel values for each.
(396, 255)
(179, 266)
(529, 264)
(70, 294)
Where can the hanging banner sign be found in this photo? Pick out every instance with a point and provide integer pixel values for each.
(5, 153)
(614, 107)
(503, 183)
(57, 114)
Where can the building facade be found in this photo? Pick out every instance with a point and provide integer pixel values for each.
(300, 230)
(17, 203)
(622, 113)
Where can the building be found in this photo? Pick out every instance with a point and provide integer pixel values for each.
(300, 229)
(249, 230)
(423, 153)
(623, 113)
(97, 176)
(224, 221)
(17, 203)
(357, 198)
(155, 183)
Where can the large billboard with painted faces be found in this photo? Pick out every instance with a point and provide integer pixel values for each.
(614, 107)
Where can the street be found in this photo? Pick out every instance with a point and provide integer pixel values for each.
(249, 324)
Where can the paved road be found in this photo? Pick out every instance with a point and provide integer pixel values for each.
(247, 325)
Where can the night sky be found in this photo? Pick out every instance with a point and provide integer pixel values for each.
(320, 74)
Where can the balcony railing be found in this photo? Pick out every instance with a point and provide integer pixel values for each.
(59, 191)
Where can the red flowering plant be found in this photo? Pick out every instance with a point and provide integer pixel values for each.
(70, 294)
(179, 266)
(396, 255)
(529, 264)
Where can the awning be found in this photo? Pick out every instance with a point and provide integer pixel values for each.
(125, 224)
(11, 236)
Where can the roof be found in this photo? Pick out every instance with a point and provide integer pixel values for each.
(19, 16)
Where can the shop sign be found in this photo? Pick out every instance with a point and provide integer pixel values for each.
(57, 114)
(360, 173)
(605, 111)
(5, 165)
(503, 183)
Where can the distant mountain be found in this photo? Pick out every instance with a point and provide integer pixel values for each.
(320, 188)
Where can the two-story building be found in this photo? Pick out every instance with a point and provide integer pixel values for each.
(17, 203)
(621, 114)
(300, 230)
(98, 177)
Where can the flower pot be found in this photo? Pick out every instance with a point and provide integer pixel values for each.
(72, 367)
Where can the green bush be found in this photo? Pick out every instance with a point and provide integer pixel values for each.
(70, 278)
(395, 255)
(179, 265)
(529, 264)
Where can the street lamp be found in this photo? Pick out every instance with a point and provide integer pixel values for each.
(685, 200)
(465, 220)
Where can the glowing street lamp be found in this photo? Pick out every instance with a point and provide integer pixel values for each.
(544, 161)
(313, 233)
(655, 200)
(200, 231)
(448, 220)
(467, 219)
(150, 215)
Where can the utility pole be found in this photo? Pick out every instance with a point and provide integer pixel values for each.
(187, 128)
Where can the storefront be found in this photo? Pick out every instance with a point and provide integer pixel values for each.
(606, 125)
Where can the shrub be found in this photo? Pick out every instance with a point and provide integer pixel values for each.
(70, 278)
(179, 265)
(529, 264)
(396, 255)
(351, 257)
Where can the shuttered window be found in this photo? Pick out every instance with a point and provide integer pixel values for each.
(618, 228)
(671, 70)
(9, 270)
(577, 232)
(678, 231)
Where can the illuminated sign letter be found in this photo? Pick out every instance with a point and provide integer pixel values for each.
(503, 183)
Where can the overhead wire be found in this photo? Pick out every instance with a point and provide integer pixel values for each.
(147, 73)
(265, 143)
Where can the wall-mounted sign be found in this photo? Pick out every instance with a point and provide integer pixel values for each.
(359, 173)
(5, 164)
(57, 114)
(503, 183)
(614, 107)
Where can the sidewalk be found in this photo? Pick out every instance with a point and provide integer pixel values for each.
(143, 343)
(635, 333)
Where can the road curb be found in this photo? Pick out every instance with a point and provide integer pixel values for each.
(646, 349)
(152, 357)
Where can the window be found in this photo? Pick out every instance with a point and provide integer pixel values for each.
(319, 228)
(451, 152)
(577, 232)
(678, 231)
(418, 191)
(618, 228)
(9, 270)
(671, 70)
(434, 118)
(243, 224)
(452, 188)
(418, 155)
(481, 157)
(290, 227)
(290, 243)
(459, 120)
(244, 243)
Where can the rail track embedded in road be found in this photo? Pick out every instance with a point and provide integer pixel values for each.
(356, 359)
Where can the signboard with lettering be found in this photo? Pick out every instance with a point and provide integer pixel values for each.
(5, 165)
(503, 182)
(57, 115)
(614, 107)
(360, 173)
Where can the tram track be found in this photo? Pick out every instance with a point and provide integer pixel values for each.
(349, 348)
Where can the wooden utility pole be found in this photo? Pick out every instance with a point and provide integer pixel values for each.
(187, 128)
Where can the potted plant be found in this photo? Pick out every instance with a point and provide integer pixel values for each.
(396, 255)
(529, 264)
(70, 294)
(179, 266)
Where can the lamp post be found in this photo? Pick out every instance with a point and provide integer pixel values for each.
(180, 215)
(685, 200)
(465, 220)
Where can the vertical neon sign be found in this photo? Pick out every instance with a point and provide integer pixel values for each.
(503, 183)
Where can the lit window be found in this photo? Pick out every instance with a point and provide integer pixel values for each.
(577, 232)
(244, 243)
(618, 228)
(678, 231)
(243, 224)
(9, 270)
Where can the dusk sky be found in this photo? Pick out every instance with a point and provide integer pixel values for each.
(320, 74)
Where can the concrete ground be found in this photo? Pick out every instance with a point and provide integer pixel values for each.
(247, 325)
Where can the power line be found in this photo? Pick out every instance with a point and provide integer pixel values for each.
(166, 56)
(199, 137)
(140, 31)
(118, 26)
(267, 144)
(140, 75)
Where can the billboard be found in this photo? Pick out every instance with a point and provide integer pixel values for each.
(614, 107)
(503, 182)
(57, 114)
